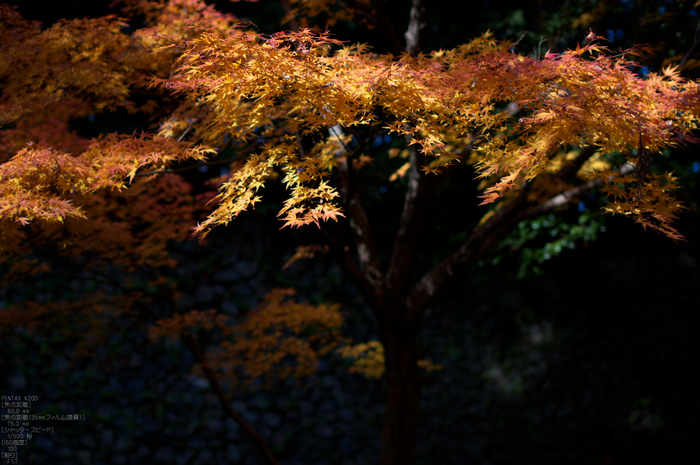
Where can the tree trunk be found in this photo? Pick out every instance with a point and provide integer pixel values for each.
(403, 398)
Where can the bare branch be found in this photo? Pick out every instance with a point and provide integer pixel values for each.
(186, 337)
(486, 236)
(437, 279)
(567, 196)
(384, 26)
(410, 226)
(416, 24)
(189, 341)
(241, 154)
(291, 20)
(341, 252)
(568, 171)
(696, 41)
(367, 251)
(184, 133)
(439, 178)
(186, 168)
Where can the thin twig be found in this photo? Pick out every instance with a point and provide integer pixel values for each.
(184, 133)
(186, 168)
(696, 40)
(512, 49)
(204, 163)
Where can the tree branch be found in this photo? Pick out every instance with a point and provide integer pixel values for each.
(189, 341)
(287, 7)
(416, 24)
(438, 179)
(567, 196)
(410, 226)
(696, 41)
(436, 280)
(243, 153)
(383, 23)
(186, 168)
(341, 252)
(568, 171)
(419, 195)
(367, 251)
(186, 337)
(565, 174)
(486, 236)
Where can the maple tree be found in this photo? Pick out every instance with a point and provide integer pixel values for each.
(304, 108)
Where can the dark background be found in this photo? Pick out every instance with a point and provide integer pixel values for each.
(588, 357)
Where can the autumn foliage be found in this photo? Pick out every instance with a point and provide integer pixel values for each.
(302, 107)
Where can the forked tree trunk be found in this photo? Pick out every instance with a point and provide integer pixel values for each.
(403, 399)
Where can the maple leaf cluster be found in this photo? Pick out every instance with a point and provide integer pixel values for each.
(289, 86)
(241, 86)
(279, 339)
